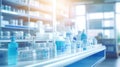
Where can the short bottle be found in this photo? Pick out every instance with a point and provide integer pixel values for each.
(60, 45)
(12, 52)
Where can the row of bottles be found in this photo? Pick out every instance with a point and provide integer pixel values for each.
(72, 44)
(46, 50)
(37, 51)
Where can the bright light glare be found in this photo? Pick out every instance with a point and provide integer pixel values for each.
(108, 14)
(80, 10)
(109, 33)
(95, 15)
(31, 24)
(118, 22)
(80, 22)
(54, 15)
(118, 7)
(108, 23)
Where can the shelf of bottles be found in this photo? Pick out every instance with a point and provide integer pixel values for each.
(22, 15)
(31, 20)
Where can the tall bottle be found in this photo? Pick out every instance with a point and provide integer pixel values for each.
(68, 42)
(68, 45)
(84, 39)
(12, 52)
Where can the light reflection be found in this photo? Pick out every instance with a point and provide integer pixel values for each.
(80, 22)
(118, 7)
(118, 22)
(80, 10)
(95, 15)
(108, 14)
(108, 23)
(109, 34)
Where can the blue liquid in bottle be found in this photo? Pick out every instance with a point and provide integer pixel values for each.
(60, 45)
(84, 39)
(12, 52)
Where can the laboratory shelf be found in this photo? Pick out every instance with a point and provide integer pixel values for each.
(27, 40)
(15, 14)
(42, 9)
(15, 3)
(42, 41)
(39, 18)
(21, 40)
(21, 4)
(12, 27)
(11, 13)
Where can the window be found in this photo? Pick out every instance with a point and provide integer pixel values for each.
(95, 15)
(108, 14)
(80, 18)
(118, 7)
(109, 34)
(108, 23)
(118, 22)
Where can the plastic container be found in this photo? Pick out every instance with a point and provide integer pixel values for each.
(68, 45)
(12, 52)
(84, 40)
(60, 45)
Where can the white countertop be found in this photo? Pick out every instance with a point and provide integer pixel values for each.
(67, 59)
(62, 60)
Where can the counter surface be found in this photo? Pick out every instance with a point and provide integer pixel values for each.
(61, 61)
